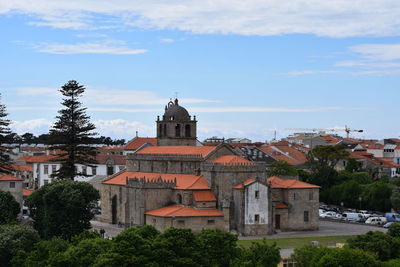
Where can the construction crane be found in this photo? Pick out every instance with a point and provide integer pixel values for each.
(345, 129)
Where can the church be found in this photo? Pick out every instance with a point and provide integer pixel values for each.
(181, 183)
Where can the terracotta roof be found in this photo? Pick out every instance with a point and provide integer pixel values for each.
(183, 211)
(27, 192)
(330, 139)
(118, 159)
(22, 167)
(137, 142)
(232, 160)
(388, 162)
(281, 205)
(372, 146)
(361, 155)
(285, 153)
(246, 182)
(183, 181)
(7, 177)
(37, 158)
(179, 150)
(204, 196)
(277, 182)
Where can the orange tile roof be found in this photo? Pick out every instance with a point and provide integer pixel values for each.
(232, 160)
(330, 139)
(179, 150)
(183, 181)
(285, 153)
(22, 167)
(183, 211)
(388, 162)
(277, 182)
(204, 196)
(137, 142)
(7, 177)
(246, 182)
(27, 192)
(281, 205)
(38, 158)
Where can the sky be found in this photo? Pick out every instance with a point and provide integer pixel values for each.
(244, 68)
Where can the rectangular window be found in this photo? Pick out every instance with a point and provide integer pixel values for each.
(257, 194)
(12, 184)
(94, 170)
(306, 216)
(154, 221)
(84, 170)
(294, 196)
(256, 218)
(310, 196)
(46, 181)
(121, 167)
(46, 169)
(53, 168)
(181, 222)
(110, 170)
(211, 222)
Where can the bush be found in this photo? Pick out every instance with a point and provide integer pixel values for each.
(9, 208)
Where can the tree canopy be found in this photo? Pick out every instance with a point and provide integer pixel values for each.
(5, 160)
(9, 208)
(71, 135)
(62, 208)
(281, 168)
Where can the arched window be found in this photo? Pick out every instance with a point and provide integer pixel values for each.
(179, 198)
(178, 130)
(187, 130)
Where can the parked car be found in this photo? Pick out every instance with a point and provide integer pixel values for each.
(392, 217)
(375, 220)
(388, 224)
(353, 217)
(329, 214)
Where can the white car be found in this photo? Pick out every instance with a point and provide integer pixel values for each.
(329, 214)
(376, 220)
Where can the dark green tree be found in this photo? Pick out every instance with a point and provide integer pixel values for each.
(346, 258)
(217, 248)
(326, 156)
(281, 168)
(352, 165)
(376, 196)
(259, 254)
(384, 246)
(5, 160)
(62, 208)
(28, 138)
(306, 255)
(72, 134)
(395, 199)
(9, 208)
(14, 238)
(394, 230)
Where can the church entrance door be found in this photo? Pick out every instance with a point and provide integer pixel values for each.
(114, 210)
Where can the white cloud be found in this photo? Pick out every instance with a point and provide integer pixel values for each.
(35, 126)
(334, 18)
(378, 52)
(106, 47)
(167, 40)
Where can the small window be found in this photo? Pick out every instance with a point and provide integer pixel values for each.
(211, 222)
(12, 184)
(53, 168)
(256, 218)
(94, 170)
(310, 196)
(306, 216)
(46, 169)
(154, 221)
(46, 181)
(294, 196)
(84, 170)
(181, 222)
(257, 194)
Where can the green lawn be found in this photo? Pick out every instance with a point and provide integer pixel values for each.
(299, 242)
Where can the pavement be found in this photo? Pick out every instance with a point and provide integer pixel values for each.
(326, 228)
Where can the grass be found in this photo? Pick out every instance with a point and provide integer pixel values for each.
(299, 242)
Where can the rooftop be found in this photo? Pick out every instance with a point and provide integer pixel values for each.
(183, 211)
(7, 177)
(203, 151)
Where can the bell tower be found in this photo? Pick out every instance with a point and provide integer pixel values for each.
(176, 127)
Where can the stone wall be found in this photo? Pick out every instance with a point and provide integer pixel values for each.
(195, 223)
(16, 192)
(299, 201)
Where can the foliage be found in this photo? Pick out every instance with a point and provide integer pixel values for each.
(391, 263)
(326, 156)
(281, 168)
(5, 160)
(352, 165)
(346, 258)
(394, 230)
(305, 256)
(384, 246)
(395, 199)
(376, 196)
(217, 248)
(9, 208)
(14, 238)
(72, 134)
(62, 208)
(258, 254)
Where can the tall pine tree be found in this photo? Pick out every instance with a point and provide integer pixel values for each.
(72, 135)
(5, 161)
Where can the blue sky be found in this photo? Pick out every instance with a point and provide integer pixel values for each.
(245, 69)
